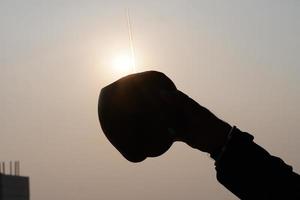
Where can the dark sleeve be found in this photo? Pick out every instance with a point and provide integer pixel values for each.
(250, 172)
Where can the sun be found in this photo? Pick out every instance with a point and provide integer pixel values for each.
(123, 64)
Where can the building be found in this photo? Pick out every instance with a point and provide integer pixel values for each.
(12, 185)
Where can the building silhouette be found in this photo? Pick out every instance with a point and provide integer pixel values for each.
(12, 185)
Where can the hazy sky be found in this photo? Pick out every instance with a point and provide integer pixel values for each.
(241, 59)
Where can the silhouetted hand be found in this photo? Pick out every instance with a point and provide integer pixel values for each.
(129, 116)
(193, 123)
(143, 114)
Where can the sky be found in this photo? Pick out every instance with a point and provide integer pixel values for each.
(240, 59)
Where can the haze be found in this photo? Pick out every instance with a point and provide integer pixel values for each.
(240, 59)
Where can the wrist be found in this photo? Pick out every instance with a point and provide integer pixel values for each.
(217, 153)
(220, 137)
(209, 138)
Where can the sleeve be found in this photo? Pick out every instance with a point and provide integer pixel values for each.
(250, 172)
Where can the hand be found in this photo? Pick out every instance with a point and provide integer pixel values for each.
(193, 124)
(129, 115)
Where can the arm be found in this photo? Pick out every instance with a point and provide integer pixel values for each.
(243, 167)
(250, 172)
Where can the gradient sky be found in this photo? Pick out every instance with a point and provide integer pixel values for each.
(240, 59)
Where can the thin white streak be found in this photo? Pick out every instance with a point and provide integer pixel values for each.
(130, 34)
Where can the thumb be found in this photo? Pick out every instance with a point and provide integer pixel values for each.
(174, 98)
(173, 112)
(177, 100)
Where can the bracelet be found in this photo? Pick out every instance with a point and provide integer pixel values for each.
(229, 136)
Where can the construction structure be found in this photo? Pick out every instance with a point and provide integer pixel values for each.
(12, 185)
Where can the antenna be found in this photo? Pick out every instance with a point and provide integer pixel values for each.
(10, 168)
(3, 167)
(130, 34)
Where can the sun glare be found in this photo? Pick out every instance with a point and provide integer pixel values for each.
(123, 64)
